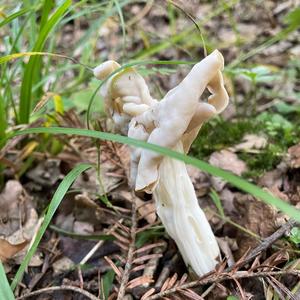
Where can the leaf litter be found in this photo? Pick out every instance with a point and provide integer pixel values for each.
(98, 202)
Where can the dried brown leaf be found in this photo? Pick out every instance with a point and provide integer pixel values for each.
(190, 294)
(146, 257)
(294, 156)
(172, 281)
(149, 247)
(165, 285)
(139, 281)
(122, 246)
(121, 239)
(251, 143)
(148, 294)
(113, 266)
(229, 161)
(8, 250)
(183, 279)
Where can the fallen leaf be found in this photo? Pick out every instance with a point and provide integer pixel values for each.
(228, 161)
(294, 156)
(8, 250)
(227, 198)
(46, 173)
(62, 265)
(251, 143)
(255, 216)
(200, 181)
(83, 227)
(18, 221)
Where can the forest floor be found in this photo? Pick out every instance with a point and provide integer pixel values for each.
(104, 241)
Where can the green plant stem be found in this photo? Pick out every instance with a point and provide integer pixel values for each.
(3, 119)
(30, 70)
(5, 290)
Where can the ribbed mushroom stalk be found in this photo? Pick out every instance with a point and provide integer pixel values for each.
(173, 122)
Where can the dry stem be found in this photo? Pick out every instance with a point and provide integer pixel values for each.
(219, 278)
(130, 254)
(59, 288)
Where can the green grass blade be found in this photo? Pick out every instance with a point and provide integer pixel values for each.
(217, 201)
(47, 6)
(15, 15)
(27, 82)
(168, 42)
(55, 202)
(238, 182)
(120, 13)
(293, 20)
(93, 237)
(3, 121)
(5, 290)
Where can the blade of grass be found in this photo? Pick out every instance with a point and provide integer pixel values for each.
(236, 181)
(120, 13)
(168, 42)
(5, 290)
(216, 199)
(94, 237)
(37, 73)
(13, 56)
(3, 120)
(30, 69)
(55, 202)
(15, 15)
(110, 10)
(294, 23)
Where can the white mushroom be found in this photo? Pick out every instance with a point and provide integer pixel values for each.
(173, 122)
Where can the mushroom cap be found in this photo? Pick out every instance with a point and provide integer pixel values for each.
(105, 69)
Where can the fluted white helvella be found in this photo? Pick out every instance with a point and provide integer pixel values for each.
(172, 122)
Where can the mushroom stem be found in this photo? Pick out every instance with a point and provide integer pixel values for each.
(173, 122)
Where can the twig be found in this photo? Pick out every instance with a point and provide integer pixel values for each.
(276, 289)
(195, 23)
(164, 274)
(130, 254)
(98, 245)
(59, 288)
(219, 278)
(203, 295)
(141, 14)
(212, 278)
(265, 244)
(282, 288)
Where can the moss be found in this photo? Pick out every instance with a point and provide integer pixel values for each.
(219, 134)
(263, 161)
(280, 133)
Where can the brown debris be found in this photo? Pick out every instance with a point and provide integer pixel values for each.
(228, 161)
(294, 156)
(19, 221)
(8, 250)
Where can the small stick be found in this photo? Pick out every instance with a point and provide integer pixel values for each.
(209, 278)
(59, 288)
(265, 244)
(219, 278)
(130, 254)
(98, 245)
